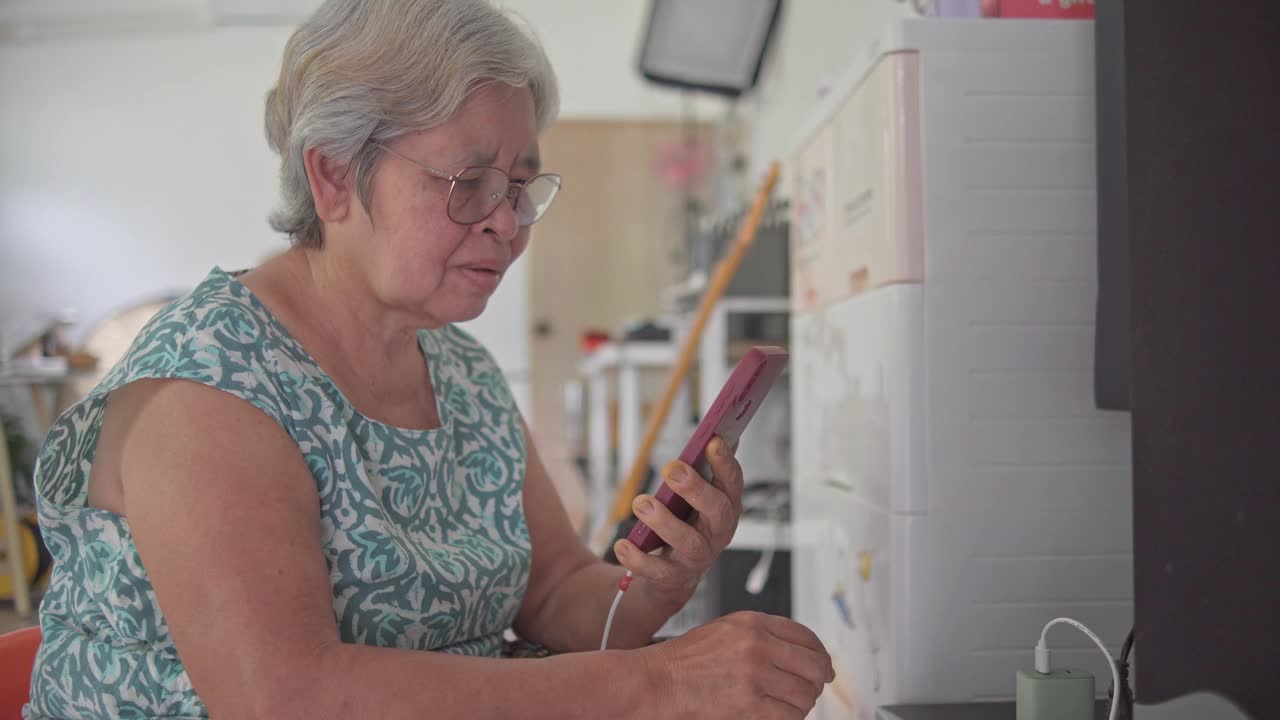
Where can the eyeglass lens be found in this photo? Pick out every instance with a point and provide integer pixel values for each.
(477, 192)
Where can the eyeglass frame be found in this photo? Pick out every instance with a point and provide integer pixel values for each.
(512, 184)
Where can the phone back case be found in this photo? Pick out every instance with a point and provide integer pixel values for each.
(727, 417)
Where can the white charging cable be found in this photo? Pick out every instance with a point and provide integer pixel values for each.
(759, 575)
(623, 584)
(1042, 657)
(772, 508)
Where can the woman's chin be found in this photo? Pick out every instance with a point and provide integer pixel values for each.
(460, 310)
(444, 306)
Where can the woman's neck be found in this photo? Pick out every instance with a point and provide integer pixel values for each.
(333, 314)
(347, 307)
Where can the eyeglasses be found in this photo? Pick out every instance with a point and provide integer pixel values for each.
(476, 192)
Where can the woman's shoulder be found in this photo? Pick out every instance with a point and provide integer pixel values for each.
(219, 309)
(217, 334)
(211, 337)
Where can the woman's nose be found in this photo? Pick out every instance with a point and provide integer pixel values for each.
(502, 221)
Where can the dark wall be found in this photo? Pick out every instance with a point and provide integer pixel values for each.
(1203, 214)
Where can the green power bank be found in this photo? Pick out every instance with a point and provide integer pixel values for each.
(1059, 695)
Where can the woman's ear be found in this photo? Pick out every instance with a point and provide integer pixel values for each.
(329, 186)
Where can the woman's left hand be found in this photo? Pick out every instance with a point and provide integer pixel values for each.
(696, 544)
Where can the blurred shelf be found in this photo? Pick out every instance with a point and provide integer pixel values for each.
(640, 353)
(759, 534)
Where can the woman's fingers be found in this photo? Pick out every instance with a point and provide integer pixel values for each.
(715, 508)
(726, 470)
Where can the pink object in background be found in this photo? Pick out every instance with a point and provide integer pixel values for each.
(956, 8)
(683, 163)
(1059, 9)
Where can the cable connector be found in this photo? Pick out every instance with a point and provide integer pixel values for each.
(623, 584)
(1042, 657)
(1044, 667)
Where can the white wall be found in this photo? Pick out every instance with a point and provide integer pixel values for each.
(132, 164)
(594, 46)
(815, 42)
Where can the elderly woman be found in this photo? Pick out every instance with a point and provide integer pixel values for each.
(305, 493)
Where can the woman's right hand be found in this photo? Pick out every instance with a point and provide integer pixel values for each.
(744, 665)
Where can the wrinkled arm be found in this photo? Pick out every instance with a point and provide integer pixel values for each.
(570, 590)
(225, 515)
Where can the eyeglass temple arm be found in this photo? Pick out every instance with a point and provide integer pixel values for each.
(438, 173)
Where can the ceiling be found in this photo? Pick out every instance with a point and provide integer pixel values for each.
(37, 20)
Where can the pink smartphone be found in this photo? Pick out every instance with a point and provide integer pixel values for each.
(728, 417)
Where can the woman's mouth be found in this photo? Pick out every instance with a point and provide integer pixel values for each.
(483, 277)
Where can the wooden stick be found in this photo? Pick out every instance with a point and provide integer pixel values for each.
(716, 288)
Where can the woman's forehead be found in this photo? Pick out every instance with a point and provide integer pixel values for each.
(494, 126)
(527, 159)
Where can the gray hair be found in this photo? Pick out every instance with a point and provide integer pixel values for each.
(360, 72)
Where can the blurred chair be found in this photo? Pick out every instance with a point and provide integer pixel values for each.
(17, 656)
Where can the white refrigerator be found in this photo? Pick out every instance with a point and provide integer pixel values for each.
(954, 487)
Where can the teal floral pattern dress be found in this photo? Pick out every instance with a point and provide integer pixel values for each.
(423, 531)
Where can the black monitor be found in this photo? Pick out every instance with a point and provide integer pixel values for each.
(711, 45)
(1189, 332)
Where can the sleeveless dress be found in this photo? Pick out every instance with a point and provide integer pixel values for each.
(423, 531)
